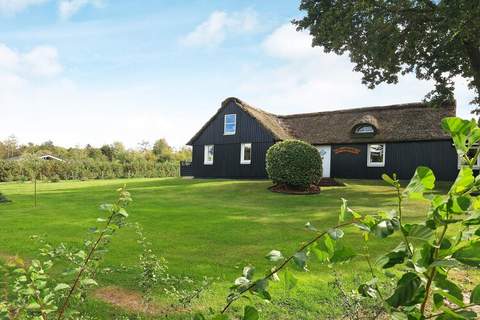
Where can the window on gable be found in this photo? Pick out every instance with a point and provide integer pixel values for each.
(364, 129)
(376, 155)
(208, 154)
(246, 153)
(230, 124)
(470, 154)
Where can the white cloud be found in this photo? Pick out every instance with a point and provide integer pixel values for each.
(68, 8)
(41, 61)
(13, 6)
(287, 43)
(219, 25)
(9, 59)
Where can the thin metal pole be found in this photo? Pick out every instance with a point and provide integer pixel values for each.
(35, 183)
(35, 189)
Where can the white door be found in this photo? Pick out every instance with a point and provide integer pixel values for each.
(325, 153)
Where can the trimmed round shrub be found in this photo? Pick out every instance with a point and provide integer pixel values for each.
(294, 163)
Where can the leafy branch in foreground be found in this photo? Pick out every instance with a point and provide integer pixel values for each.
(30, 291)
(259, 287)
(447, 241)
(116, 215)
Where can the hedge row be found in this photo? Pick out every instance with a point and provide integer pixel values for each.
(23, 170)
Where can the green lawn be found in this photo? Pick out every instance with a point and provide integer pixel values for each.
(202, 227)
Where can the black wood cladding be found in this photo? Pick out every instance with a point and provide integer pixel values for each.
(226, 160)
(401, 158)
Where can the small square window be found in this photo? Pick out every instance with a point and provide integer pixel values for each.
(376, 155)
(230, 124)
(246, 153)
(208, 154)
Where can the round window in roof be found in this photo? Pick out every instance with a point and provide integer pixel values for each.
(364, 129)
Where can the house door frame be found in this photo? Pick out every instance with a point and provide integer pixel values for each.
(326, 154)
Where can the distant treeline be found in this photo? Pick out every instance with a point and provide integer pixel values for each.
(23, 162)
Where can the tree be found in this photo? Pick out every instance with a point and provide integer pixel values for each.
(435, 39)
(162, 150)
(107, 151)
(3, 151)
(119, 151)
(11, 146)
(184, 154)
(144, 145)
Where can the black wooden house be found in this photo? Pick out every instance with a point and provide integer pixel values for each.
(357, 143)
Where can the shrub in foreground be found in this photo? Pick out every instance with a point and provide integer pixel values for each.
(294, 163)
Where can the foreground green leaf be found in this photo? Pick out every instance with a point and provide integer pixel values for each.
(469, 255)
(250, 313)
(422, 180)
(408, 291)
(289, 280)
(475, 295)
(274, 256)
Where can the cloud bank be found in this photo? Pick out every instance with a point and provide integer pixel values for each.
(10, 7)
(220, 25)
(40, 61)
(68, 8)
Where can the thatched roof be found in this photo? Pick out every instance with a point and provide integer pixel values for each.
(401, 122)
(267, 120)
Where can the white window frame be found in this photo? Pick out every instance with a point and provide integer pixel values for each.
(376, 164)
(225, 133)
(475, 166)
(242, 153)
(206, 148)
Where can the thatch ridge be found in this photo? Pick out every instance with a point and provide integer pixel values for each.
(356, 109)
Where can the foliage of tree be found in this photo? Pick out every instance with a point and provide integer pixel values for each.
(294, 163)
(436, 40)
(162, 150)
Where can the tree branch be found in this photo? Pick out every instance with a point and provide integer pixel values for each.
(407, 243)
(284, 263)
(82, 270)
(455, 309)
(433, 272)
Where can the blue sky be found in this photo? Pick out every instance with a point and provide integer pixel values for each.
(98, 71)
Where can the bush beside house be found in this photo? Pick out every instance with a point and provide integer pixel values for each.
(294, 164)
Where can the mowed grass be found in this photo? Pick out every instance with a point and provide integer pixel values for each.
(203, 228)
